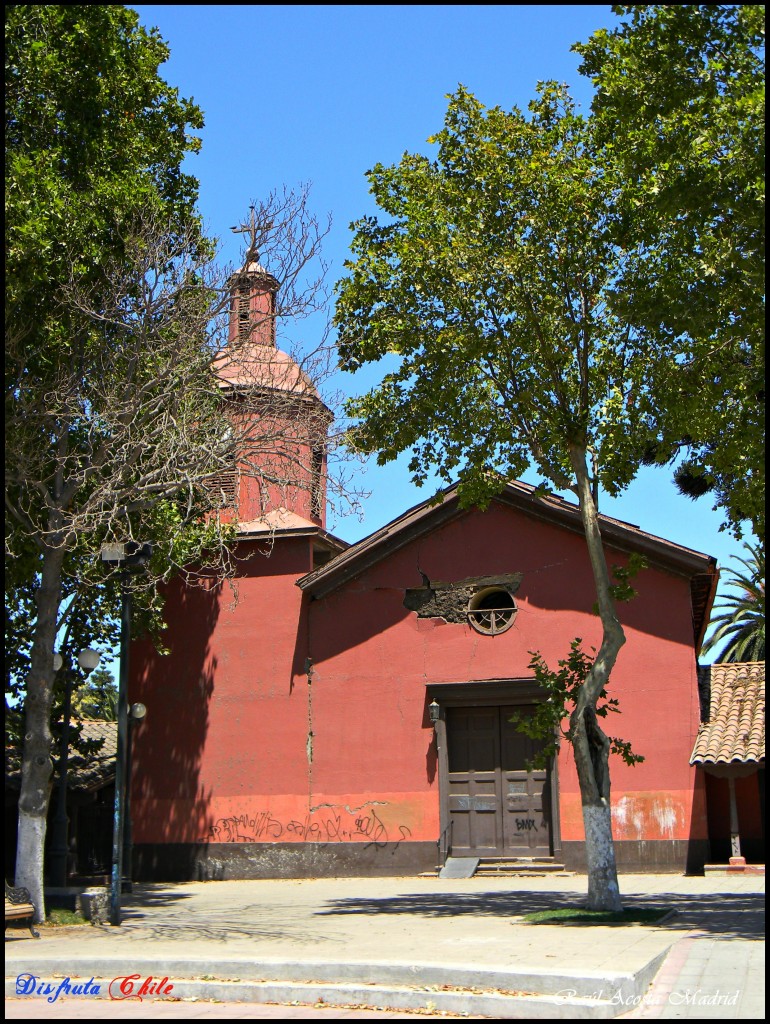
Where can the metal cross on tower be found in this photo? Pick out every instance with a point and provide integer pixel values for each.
(249, 228)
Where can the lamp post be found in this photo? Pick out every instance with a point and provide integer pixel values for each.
(130, 555)
(59, 855)
(136, 714)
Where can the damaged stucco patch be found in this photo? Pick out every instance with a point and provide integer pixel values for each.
(449, 601)
(649, 815)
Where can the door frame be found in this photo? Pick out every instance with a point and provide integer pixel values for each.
(496, 693)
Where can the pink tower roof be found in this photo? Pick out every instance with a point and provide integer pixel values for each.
(252, 364)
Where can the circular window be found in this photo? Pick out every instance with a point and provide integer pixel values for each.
(491, 610)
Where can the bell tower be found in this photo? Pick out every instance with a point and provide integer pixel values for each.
(278, 417)
(253, 305)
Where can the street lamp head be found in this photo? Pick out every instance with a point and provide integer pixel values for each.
(88, 660)
(58, 661)
(112, 552)
(131, 554)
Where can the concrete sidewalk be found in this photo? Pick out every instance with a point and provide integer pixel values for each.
(457, 946)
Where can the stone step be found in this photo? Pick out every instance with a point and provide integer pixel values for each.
(734, 869)
(518, 866)
(477, 991)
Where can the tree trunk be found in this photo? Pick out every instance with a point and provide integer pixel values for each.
(591, 746)
(37, 766)
(592, 749)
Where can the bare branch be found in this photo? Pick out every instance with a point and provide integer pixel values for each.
(157, 401)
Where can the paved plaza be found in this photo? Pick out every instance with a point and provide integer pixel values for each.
(451, 947)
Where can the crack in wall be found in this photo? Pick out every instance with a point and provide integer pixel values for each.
(309, 741)
(348, 808)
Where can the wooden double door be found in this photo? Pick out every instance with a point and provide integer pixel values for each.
(498, 807)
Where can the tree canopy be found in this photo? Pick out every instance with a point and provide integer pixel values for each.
(679, 114)
(93, 133)
(491, 278)
(117, 425)
(95, 140)
(97, 697)
(581, 294)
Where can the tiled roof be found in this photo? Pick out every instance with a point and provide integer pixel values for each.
(85, 772)
(281, 522)
(735, 731)
(92, 771)
(276, 520)
(263, 366)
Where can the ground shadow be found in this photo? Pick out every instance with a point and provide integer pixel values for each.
(729, 916)
(151, 897)
(161, 914)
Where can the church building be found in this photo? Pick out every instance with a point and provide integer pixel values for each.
(351, 713)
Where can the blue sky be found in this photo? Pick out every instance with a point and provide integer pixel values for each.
(316, 93)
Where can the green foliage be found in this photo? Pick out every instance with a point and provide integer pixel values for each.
(110, 402)
(679, 120)
(92, 134)
(561, 688)
(95, 140)
(97, 698)
(740, 626)
(581, 916)
(622, 590)
(490, 280)
(60, 917)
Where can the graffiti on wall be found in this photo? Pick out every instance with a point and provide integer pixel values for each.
(328, 827)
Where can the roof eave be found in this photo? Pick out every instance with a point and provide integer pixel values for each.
(367, 552)
(430, 514)
(317, 532)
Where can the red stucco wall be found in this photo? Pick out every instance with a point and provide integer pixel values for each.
(225, 721)
(242, 743)
(379, 655)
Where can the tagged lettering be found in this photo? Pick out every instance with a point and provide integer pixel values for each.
(313, 828)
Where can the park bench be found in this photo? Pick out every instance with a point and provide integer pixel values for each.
(18, 906)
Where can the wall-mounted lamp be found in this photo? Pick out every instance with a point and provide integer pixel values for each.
(434, 711)
(137, 711)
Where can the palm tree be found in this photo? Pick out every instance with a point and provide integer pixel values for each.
(741, 624)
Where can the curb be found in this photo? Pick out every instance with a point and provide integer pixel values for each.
(539, 995)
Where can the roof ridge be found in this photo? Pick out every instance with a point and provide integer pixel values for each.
(449, 494)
